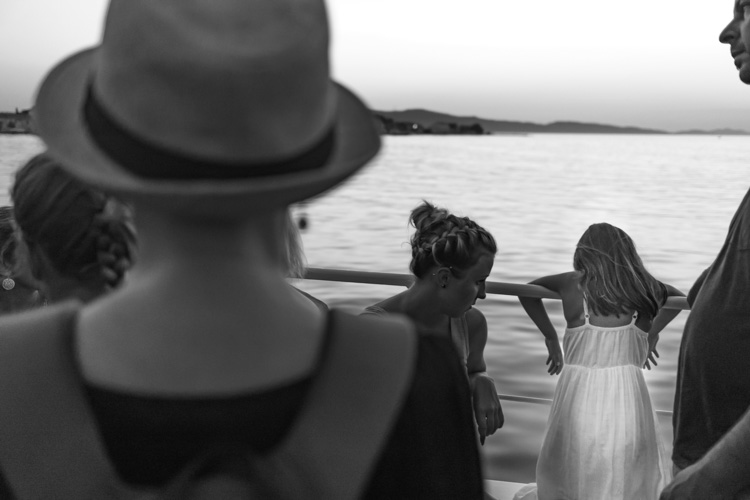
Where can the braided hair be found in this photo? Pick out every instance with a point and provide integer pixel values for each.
(614, 279)
(85, 234)
(7, 240)
(445, 240)
(292, 252)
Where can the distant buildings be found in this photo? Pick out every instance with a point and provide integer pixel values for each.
(19, 122)
(389, 126)
(15, 123)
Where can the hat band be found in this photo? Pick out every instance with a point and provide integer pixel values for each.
(153, 162)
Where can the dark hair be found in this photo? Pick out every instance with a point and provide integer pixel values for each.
(84, 233)
(292, 253)
(614, 279)
(7, 239)
(442, 239)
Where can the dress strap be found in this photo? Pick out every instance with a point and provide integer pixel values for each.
(635, 317)
(585, 311)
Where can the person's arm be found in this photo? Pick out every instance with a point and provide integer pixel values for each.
(693, 293)
(487, 409)
(538, 314)
(722, 473)
(662, 319)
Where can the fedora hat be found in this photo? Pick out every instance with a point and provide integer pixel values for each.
(187, 101)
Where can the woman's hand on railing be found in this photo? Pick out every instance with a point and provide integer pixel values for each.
(487, 410)
(555, 356)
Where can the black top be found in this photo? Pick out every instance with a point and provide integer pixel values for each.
(431, 453)
(713, 381)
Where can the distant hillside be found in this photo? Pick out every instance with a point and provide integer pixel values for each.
(428, 119)
(717, 131)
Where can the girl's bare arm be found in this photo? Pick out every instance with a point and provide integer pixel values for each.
(538, 314)
(665, 316)
(662, 319)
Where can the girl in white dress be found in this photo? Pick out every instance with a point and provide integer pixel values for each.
(602, 439)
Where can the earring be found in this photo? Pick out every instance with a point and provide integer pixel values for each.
(9, 283)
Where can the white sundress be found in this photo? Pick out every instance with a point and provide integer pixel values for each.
(602, 439)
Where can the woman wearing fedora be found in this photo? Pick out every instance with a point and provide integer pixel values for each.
(211, 117)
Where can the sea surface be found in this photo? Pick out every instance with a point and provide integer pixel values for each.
(675, 195)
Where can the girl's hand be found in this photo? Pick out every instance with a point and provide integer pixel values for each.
(652, 352)
(555, 358)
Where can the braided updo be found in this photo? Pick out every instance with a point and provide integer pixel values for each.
(7, 240)
(445, 240)
(85, 234)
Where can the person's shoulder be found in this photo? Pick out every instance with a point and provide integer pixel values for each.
(475, 320)
(391, 305)
(31, 321)
(381, 325)
(374, 309)
(322, 306)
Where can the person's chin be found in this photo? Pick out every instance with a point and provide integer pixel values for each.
(744, 73)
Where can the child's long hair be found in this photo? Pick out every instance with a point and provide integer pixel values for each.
(614, 279)
(442, 239)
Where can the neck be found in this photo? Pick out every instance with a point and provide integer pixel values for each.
(189, 247)
(422, 305)
(209, 297)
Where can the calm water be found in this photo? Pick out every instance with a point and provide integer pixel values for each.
(674, 195)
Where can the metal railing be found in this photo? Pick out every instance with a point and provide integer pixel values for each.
(491, 287)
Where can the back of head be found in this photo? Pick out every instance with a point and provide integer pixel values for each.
(445, 240)
(74, 225)
(614, 279)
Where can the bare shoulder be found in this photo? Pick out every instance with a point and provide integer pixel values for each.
(572, 298)
(475, 320)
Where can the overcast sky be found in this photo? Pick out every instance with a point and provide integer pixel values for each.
(649, 63)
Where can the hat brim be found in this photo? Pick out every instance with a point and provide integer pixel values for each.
(58, 119)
